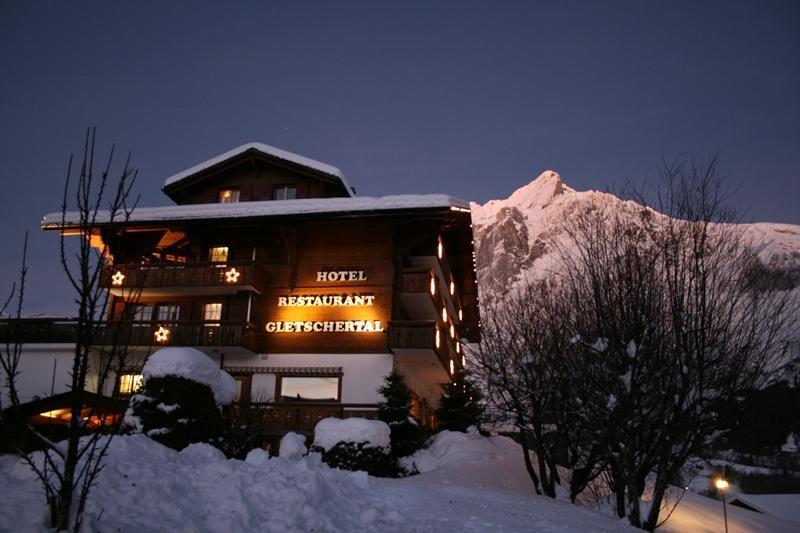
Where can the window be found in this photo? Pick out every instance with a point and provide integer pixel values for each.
(309, 389)
(218, 254)
(284, 192)
(168, 312)
(212, 312)
(227, 196)
(142, 312)
(130, 383)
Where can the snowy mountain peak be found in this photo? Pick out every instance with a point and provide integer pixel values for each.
(540, 192)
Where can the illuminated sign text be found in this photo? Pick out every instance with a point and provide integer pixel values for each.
(329, 326)
(318, 300)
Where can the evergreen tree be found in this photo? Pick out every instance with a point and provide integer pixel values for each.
(460, 406)
(407, 434)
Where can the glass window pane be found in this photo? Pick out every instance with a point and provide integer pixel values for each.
(228, 196)
(168, 312)
(130, 383)
(218, 254)
(309, 389)
(291, 193)
(212, 311)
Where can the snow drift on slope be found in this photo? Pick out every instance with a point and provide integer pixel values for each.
(148, 487)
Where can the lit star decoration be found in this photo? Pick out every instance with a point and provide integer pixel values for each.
(162, 334)
(117, 278)
(232, 276)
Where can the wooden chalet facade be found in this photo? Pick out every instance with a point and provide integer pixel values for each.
(307, 294)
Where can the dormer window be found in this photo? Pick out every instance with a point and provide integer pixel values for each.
(284, 192)
(227, 196)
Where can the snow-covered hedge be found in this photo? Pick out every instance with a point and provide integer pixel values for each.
(331, 431)
(355, 444)
(179, 404)
(194, 365)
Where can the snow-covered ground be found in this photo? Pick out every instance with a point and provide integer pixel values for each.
(469, 483)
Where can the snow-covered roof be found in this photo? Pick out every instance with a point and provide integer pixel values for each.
(270, 208)
(264, 149)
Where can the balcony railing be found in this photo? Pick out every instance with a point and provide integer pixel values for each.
(178, 333)
(304, 416)
(167, 275)
(421, 335)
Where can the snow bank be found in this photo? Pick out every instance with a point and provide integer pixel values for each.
(450, 448)
(194, 365)
(145, 486)
(330, 431)
(293, 446)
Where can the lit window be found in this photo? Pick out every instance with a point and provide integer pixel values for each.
(130, 383)
(212, 312)
(169, 312)
(227, 196)
(309, 389)
(218, 254)
(284, 192)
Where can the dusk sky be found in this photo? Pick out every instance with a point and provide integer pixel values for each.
(472, 99)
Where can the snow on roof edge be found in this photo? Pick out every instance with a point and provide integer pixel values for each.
(297, 159)
(267, 208)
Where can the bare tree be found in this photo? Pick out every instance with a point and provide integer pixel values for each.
(653, 325)
(68, 469)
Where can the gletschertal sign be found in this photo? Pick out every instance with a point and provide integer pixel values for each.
(329, 300)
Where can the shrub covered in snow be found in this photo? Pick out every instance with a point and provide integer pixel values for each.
(193, 365)
(355, 444)
(407, 434)
(179, 403)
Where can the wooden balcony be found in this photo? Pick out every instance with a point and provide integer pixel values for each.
(416, 342)
(222, 333)
(227, 333)
(420, 294)
(282, 417)
(194, 278)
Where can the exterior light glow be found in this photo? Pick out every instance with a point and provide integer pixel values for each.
(438, 338)
(440, 249)
(452, 288)
(117, 278)
(162, 334)
(458, 347)
(444, 314)
(463, 362)
(232, 275)
(721, 484)
(452, 331)
(460, 315)
(433, 285)
(452, 367)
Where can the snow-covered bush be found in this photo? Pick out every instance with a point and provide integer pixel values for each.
(293, 446)
(355, 444)
(180, 401)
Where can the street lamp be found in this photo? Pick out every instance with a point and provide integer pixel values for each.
(722, 486)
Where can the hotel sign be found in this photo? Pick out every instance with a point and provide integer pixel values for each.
(329, 300)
